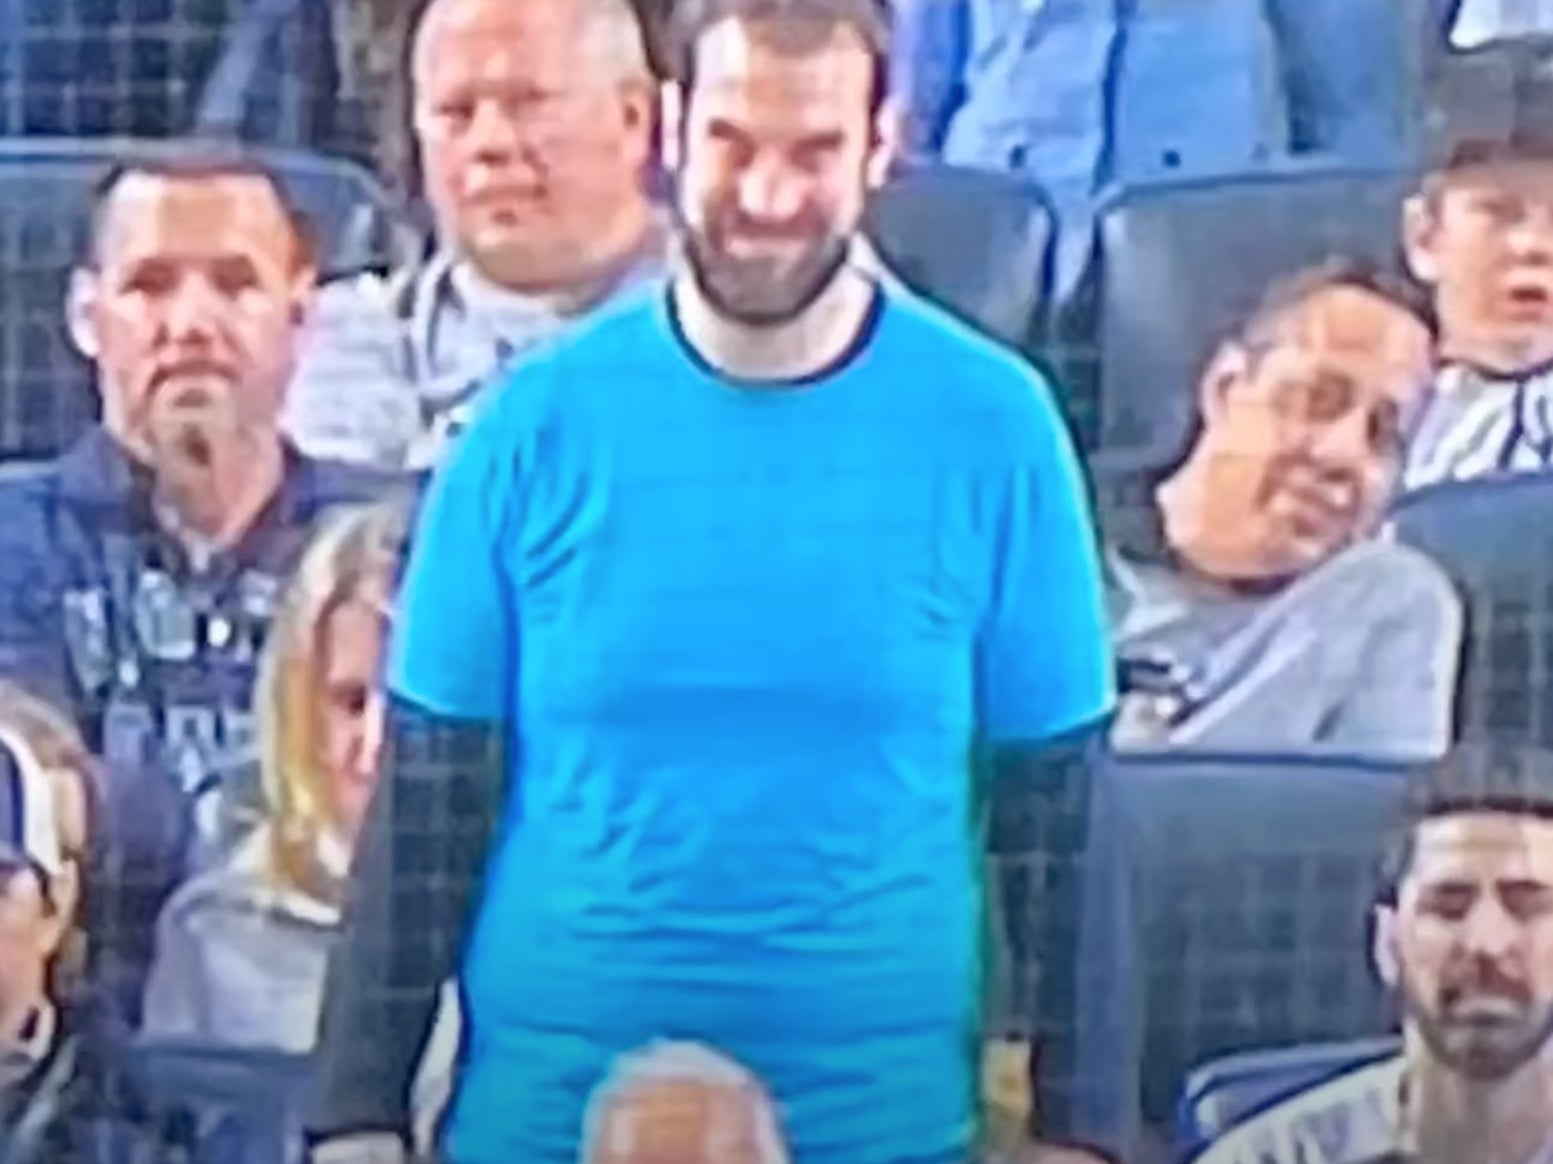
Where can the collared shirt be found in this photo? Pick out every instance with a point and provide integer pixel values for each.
(393, 366)
(1477, 425)
(1204, 665)
(19, 1062)
(103, 613)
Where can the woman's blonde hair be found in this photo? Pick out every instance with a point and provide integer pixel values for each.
(58, 749)
(354, 557)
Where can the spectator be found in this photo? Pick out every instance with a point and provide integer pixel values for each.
(1254, 608)
(1464, 935)
(1078, 94)
(62, 1099)
(534, 120)
(242, 949)
(139, 571)
(1479, 234)
(681, 1103)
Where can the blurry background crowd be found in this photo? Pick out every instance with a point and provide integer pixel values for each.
(1289, 265)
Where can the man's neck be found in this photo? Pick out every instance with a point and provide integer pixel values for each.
(816, 339)
(212, 503)
(624, 242)
(1449, 1118)
(1211, 549)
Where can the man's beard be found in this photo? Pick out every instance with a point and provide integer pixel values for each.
(1484, 1051)
(760, 293)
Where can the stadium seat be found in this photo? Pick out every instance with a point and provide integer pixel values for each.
(1494, 537)
(248, 1106)
(46, 394)
(1226, 1092)
(1245, 883)
(977, 243)
(1181, 264)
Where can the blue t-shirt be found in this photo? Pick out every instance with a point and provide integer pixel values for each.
(745, 638)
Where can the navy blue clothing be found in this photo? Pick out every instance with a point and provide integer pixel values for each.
(102, 613)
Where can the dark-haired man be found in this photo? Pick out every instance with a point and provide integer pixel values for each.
(1255, 608)
(139, 571)
(1464, 935)
(742, 574)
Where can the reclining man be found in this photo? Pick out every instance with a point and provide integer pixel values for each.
(1253, 605)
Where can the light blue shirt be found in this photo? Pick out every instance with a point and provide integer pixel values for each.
(746, 638)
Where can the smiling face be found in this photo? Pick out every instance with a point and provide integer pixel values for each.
(778, 144)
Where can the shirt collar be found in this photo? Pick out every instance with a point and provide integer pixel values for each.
(21, 1059)
(98, 473)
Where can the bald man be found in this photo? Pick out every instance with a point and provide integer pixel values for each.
(533, 121)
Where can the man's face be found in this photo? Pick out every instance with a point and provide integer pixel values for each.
(778, 147)
(193, 310)
(1306, 432)
(1482, 238)
(531, 141)
(1470, 942)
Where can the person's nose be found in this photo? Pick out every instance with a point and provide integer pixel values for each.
(192, 311)
(494, 133)
(1489, 931)
(1531, 238)
(769, 192)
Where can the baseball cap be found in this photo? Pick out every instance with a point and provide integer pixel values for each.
(29, 824)
(1492, 104)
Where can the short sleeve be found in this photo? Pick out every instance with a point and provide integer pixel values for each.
(1044, 654)
(454, 649)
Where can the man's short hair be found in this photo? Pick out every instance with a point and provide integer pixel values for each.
(193, 160)
(669, 1061)
(1263, 327)
(810, 22)
(1506, 779)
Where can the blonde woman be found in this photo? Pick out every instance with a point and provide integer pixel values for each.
(242, 949)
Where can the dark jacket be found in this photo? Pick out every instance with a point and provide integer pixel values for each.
(103, 613)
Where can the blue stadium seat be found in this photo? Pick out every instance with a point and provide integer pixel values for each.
(1241, 888)
(1494, 537)
(249, 1107)
(1181, 264)
(1226, 1092)
(977, 243)
(46, 394)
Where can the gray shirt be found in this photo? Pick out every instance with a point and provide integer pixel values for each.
(1360, 655)
(392, 366)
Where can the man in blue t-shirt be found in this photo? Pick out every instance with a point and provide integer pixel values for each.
(739, 577)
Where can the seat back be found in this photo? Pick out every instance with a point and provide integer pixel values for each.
(1198, 91)
(46, 391)
(1226, 1092)
(978, 244)
(1249, 883)
(1182, 265)
(248, 1106)
(1494, 537)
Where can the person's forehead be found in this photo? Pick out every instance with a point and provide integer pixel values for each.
(744, 70)
(1483, 846)
(156, 213)
(460, 39)
(1527, 176)
(1356, 327)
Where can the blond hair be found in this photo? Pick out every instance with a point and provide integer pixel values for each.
(354, 557)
